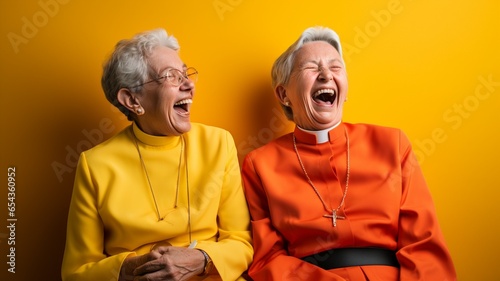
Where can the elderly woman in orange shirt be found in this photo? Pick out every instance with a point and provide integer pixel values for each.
(333, 200)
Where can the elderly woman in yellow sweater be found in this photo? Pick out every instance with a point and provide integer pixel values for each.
(161, 200)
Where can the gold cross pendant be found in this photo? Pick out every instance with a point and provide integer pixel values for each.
(334, 217)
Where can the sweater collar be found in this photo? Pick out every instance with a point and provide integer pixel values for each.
(151, 140)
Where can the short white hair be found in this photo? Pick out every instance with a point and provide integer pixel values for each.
(128, 66)
(283, 66)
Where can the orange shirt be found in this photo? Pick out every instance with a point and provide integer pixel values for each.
(388, 205)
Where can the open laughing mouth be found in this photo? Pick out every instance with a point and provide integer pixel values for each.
(183, 106)
(325, 96)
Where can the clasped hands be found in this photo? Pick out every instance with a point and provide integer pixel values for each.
(163, 263)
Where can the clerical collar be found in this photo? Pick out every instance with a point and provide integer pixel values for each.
(322, 136)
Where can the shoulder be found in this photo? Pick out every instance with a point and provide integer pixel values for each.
(378, 137)
(374, 131)
(272, 150)
(210, 139)
(199, 128)
(115, 143)
(371, 129)
(208, 133)
(109, 151)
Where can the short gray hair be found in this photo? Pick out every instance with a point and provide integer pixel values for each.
(128, 66)
(283, 66)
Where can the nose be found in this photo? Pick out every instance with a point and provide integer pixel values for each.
(187, 84)
(325, 74)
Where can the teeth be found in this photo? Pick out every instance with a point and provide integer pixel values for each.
(324, 91)
(186, 101)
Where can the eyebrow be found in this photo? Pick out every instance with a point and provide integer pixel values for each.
(184, 66)
(317, 62)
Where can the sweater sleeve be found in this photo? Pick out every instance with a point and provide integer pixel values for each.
(84, 257)
(423, 254)
(233, 251)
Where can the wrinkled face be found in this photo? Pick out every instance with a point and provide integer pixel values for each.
(166, 106)
(317, 88)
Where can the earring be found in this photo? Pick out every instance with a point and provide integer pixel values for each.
(287, 103)
(140, 111)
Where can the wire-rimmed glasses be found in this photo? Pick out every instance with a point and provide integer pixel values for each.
(175, 76)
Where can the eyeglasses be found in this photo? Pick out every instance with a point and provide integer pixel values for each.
(175, 77)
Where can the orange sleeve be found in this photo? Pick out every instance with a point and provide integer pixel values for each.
(271, 260)
(422, 249)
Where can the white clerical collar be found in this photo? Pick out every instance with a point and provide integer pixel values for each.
(321, 135)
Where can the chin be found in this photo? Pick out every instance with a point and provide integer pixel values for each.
(184, 128)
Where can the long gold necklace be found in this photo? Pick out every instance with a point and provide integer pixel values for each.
(160, 218)
(333, 215)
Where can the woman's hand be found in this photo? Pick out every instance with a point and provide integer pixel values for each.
(131, 263)
(169, 263)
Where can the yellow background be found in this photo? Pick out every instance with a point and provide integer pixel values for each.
(428, 67)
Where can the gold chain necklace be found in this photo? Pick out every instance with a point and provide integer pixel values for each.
(334, 215)
(160, 218)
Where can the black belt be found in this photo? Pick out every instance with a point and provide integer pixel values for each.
(344, 257)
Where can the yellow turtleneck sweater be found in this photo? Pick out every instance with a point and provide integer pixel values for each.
(123, 207)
